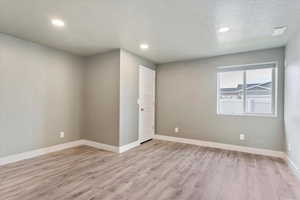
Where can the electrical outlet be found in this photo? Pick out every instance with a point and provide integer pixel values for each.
(176, 130)
(242, 137)
(289, 147)
(62, 134)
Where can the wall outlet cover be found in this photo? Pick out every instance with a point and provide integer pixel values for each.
(242, 137)
(176, 130)
(289, 147)
(62, 134)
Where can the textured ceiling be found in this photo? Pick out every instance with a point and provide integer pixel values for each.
(174, 29)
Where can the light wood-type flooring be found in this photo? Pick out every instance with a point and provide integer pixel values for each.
(155, 170)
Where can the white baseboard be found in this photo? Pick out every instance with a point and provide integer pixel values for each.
(128, 146)
(102, 146)
(116, 149)
(39, 152)
(251, 150)
(295, 169)
(43, 151)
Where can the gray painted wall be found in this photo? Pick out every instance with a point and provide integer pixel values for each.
(129, 89)
(186, 97)
(101, 98)
(110, 97)
(292, 98)
(40, 90)
(44, 91)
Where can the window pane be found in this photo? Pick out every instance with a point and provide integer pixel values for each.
(259, 91)
(231, 92)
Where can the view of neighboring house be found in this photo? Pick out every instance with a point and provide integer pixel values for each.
(257, 90)
(258, 98)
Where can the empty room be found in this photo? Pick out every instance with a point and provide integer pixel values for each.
(150, 100)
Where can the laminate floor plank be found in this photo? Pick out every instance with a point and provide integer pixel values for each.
(156, 170)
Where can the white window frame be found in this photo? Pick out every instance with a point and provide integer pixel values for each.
(244, 68)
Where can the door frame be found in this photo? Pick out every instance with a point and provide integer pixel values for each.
(139, 105)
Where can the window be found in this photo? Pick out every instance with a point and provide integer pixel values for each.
(247, 90)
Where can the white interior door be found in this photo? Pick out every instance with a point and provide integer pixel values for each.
(146, 103)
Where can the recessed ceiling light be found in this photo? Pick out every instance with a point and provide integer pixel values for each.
(280, 30)
(58, 22)
(224, 29)
(144, 46)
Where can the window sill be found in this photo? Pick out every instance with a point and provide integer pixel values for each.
(248, 115)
